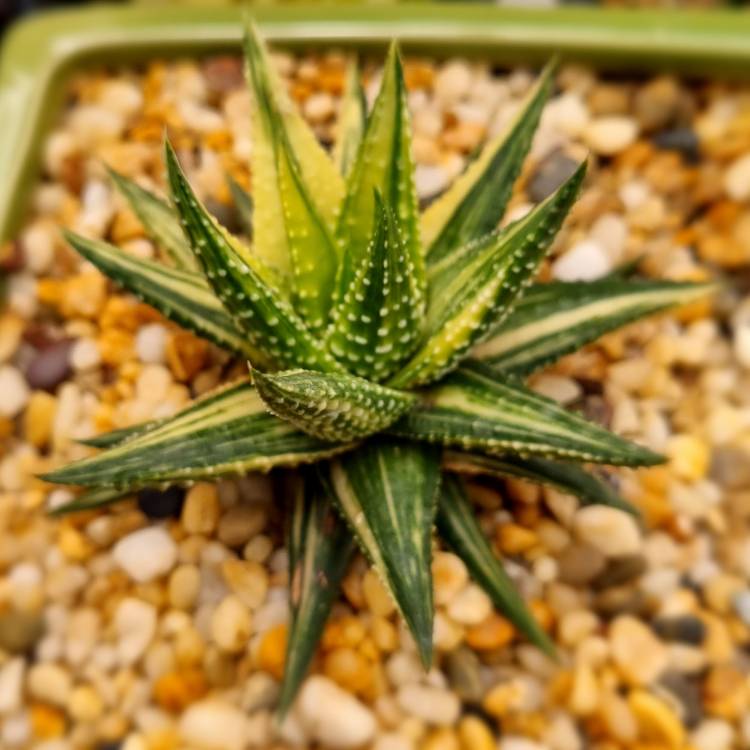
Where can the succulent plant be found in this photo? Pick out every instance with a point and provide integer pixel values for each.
(387, 349)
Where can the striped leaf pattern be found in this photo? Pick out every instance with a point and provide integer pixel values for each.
(181, 296)
(159, 220)
(227, 433)
(475, 408)
(267, 318)
(458, 525)
(377, 322)
(554, 319)
(286, 156)
(333, 407)
(387, 492)
(474, 205)
(320, 547)
(471, 293)
(566, 477)
(384, 164)
(351, 121)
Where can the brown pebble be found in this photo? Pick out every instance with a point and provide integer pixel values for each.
(19, 631)
(50, 366)
(579, 564)
(462, 669)
(223, 74)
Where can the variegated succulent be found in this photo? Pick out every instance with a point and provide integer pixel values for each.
(387, 349)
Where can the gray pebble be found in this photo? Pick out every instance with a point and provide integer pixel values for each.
(462, 669)
(682, 628)
(730, 467)
(549, 175)
(620, 570)
(687, 693)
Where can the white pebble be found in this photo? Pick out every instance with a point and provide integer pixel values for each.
(453, 81)
(38, 245)
(567, 113)
(123, 97)
(50, 683)
(85, 355)
(610, 135)
(11, 684)
(470, 607)
(231, 624)
(737, 179)
(146, 554)
(583, 262)
(430, 180)
(431, 704)
(512, 742)
(332, 716)
(611, 232)
(151, 343)
(135, 624)
(612, 531)
(16, 731)
(213, 724)
(557, 387)
(319, 107)
(14, 391)
(712, 734)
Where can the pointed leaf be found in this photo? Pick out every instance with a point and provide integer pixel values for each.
(384, 163)
(471, 293)
(554, 319)
(476, 408)
(474, 205)
(458, 525)
(267, 318)
(376, 324)
(566, 477)
(320, 547)
(351, 121)
(228, 432)
(243, 202)
(278, 128)
(182, 296)
(159, 220)
(387, 492)
(332, 407)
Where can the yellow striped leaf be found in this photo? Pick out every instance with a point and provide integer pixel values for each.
(477, 409)
(227, 433)
(351, 121)
(458, 525)
(551, 320)
(387, 491)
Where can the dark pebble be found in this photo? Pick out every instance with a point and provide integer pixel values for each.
(19, 631)
(50, 366)
(161, 503)
(462, 669)
(549, 175)
(621, 600)
(684, 628)
(226, 215)
(109, 746)
(687, 694)
(620, 570)
(683, 140)
(597, 409)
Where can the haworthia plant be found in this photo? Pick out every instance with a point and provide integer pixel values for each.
(385, 347)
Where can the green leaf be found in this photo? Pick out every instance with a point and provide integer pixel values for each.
(471, 291)
(474, 205)
(108, 439)
(182, 296)
(476, 408)
(334, 407)
(228, 432)
(387, 491)
(267, 318)
(288, 163)
(384, 164)
(351, 121)
(457, 524)
(554, 319)
(159, 220)
(243, 202)
(566, 477)
(376, 324)
(320, 547)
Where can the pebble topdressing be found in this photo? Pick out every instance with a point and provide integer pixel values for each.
(161, 624)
